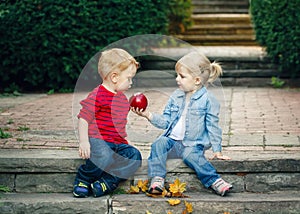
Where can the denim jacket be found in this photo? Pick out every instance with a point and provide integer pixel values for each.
(202, 119)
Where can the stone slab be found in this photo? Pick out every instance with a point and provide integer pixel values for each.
(51, 203)
(280, 202)
(210, 203)
(13, 160)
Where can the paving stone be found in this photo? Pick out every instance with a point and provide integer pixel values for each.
(282, 140)
(246, 140)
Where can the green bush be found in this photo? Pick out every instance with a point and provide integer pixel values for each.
(179, 16)
(45, 43)
(277, 26)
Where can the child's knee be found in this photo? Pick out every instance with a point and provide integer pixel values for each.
(161, 142)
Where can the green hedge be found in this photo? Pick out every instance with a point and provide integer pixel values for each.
(46, 43)
(277, 26)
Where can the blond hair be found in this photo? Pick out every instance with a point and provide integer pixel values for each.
(115, 59)
(200, 66)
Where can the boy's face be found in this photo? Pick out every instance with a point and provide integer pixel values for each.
(124, 81)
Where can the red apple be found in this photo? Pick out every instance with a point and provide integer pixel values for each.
(138, 100)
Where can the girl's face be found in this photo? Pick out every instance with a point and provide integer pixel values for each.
(124, 81)
(186, 81)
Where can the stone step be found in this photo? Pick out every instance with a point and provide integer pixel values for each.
(231, 61)
(242, 66)
(218, 40)
(207, 19)
(216, 10)
(205, 203)
(220, 29)
(53, 171)
(220, 6)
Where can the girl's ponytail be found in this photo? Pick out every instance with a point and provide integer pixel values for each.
(215, 72)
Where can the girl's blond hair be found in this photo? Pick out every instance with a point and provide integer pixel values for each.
(200, 66)
(114, 59)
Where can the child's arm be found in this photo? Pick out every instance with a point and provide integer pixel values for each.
(214, 131)
(220, 156)
(147, 114)
(84, 144)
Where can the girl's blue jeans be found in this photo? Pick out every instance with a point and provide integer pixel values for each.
(110, 162)
(165, 147)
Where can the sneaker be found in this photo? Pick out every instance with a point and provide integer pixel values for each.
(157, 185)
(81, 190)
(221, 187)
(100, 188)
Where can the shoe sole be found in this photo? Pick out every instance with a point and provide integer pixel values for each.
(80, 195)
(226, 191)
(155, 190)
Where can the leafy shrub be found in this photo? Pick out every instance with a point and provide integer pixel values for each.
(277, 28)
(46, 43)
(179, 16)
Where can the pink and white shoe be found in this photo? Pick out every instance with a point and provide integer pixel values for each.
(221, 187)
(157, 185)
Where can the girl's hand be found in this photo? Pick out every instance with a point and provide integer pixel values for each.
(141, 113)
(220, 156)
(84, 150)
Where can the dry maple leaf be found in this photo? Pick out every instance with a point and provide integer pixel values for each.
(134, 190)
(143, 185)
(174, 202)
(188, 207)
(177, 188)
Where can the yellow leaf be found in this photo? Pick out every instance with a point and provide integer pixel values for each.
(188, 206)
(147, 212)
(143, 185)
(174, 202)
(177, 188)
(169, 212)
(134, 190)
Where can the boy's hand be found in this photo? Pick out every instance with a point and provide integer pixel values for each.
(220, 156)
(141, 113)
(84, 150)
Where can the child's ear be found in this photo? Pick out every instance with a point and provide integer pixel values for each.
(114, 77)
(197, 80)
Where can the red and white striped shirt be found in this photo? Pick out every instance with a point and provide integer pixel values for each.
(106, 114)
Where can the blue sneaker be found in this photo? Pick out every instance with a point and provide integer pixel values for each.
(100, 188)
(81, 190)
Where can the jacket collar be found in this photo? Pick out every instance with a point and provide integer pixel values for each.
(195, 96)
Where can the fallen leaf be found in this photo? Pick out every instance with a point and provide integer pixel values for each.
(143, 185)
(177, 188)
(188, 207)
(174, 202)
(134, 190)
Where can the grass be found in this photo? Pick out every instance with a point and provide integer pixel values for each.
(4, 135)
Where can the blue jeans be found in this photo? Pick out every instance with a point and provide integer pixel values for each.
(193, 156)
(110, 162)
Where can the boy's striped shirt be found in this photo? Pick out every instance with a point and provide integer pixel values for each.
(106, 114)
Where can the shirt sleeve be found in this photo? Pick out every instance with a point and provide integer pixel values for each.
(212, 124)
(87, 112)
(162, 121)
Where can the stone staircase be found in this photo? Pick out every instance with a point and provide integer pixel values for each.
(41, 182)
(220, 23)
(242, 66)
